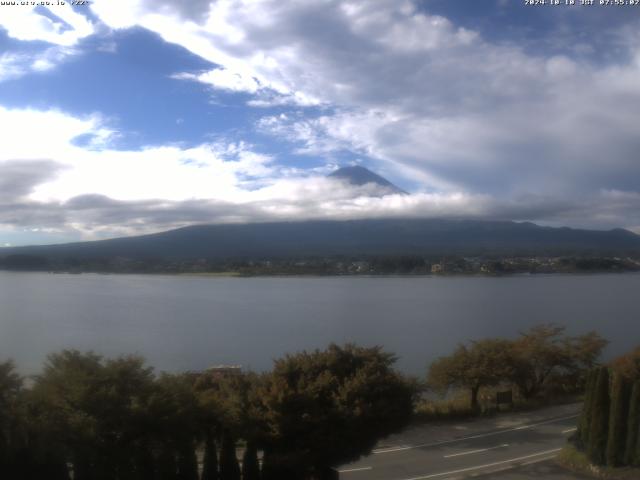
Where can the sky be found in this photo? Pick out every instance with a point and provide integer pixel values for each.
(128, 117)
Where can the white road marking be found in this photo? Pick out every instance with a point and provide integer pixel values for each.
(509, 467)
(537, 460)
(361, 469)
(471, 437)
(478, 467)
(570, 430)
(480, 450)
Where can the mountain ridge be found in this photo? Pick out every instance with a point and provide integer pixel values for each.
(348, 237)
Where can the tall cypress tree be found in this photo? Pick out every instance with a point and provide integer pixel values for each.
(81, 467)
(187, 462)
(268, 471)
(585, 417)
(250, 465)
(598, 430)
(54, 467)
(274, 468)
(618, 421)
(210, 462)
(633, 425)
(166, 465)
(144, 463)
(636, 457)
(229, 468)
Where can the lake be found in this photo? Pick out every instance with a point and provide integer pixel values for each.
(189, 323)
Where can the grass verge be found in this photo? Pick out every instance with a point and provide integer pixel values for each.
(458, 406)
(576, 461)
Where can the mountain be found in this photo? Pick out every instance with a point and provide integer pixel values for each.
(356, 238)
(357, 175)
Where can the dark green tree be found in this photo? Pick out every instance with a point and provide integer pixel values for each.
(633, 426)
(167, 466)
(618, 420)
(229, 468)
(267, 470)
(210, 461)
(99, 411)
(584, 423)
(636, 458)
(233, 403)
(12, 444)
(187, 462)
(143, 462)
(50, 465)
(276, 467)
(599, 428)
(250, 465)
(175, 411)
(329, 407)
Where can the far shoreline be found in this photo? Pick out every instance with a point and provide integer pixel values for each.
(240, 275)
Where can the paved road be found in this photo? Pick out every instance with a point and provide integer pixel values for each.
(512, 444)
(546, 470)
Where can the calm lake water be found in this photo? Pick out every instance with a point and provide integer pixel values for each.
(181, 323)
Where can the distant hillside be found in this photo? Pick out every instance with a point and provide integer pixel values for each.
(357, 175)
(357, 237)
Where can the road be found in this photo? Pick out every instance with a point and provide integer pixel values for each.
(516, 445)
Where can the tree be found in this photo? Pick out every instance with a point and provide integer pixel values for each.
(329, 407)
(583, 353)
(99, 411)
(537, 353)
(167, 465)
(274, 467)
(187, 462)
(628, 364)
(229, 468)
(481, 364)
(598, 429)
(10, 390)
(175, 413)
(210, 461)
(250, 465)
(587, 409)
(11, 422)
(633, 426)
(618, 421)
(67, 392)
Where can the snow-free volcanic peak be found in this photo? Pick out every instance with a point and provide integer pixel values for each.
(358, 175)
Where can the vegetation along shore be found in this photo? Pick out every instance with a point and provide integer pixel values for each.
(89, 417)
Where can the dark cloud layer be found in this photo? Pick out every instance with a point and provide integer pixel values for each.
(18, 178)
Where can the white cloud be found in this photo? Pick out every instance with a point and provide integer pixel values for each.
(416, 91)
(11, 66)
(56, 184)
(223, 79)
(226, 172)
(168, 172)
(16, 65)
(60, 188)
(65, 28)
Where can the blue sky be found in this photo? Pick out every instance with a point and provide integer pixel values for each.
(126, 117)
